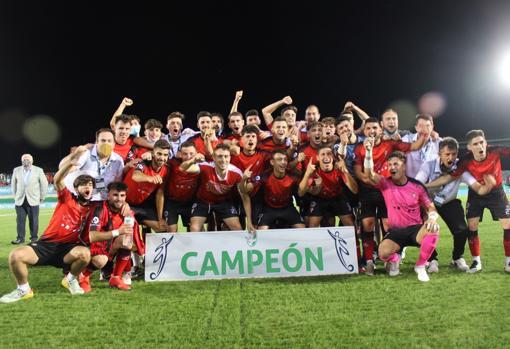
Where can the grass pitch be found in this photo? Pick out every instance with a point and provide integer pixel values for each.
(453, 310)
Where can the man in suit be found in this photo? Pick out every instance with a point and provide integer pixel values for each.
(29, 186)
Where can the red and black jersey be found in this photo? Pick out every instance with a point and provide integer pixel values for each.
(137, 152)
(180, 185)
(104, 220)
(332, 183)
(310, 154)
(126, 150)
(269, 145)
(380, 155)
(491, 165)
(278, 191)
(232, 137)
(139, 191)
(200, 144)
(214, 190)
(259, 163)
(70, 220)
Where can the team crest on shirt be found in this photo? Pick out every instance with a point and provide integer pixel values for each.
(95, 220)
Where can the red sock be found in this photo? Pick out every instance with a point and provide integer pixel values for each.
(368, 245)
(123, 259)
(474, 243)
(506, 242)
(87, 272)
(427, 246)
(128, 266)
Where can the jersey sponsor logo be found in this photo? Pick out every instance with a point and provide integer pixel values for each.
(95, 220)
(218, 188)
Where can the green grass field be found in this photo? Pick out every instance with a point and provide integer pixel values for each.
(453, 310)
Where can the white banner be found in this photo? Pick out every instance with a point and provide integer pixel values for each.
(235, 254)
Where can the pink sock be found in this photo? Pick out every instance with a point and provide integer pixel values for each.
(392, 258)
(428, 244)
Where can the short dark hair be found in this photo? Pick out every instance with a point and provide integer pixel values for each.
(251, 112)
(399, 155)
(153, 123)
(175, 114)
(124, 118)
(84, 179)
(104, 129)
(221, 146)
(187, 144)
(250, 129)
(328, 121)
(289, 107)
(342, 118)
(323, 146)
(202, 114)
(117, 186)
(234, 113)
(314, 124)
(161, 144)
(426, 117)
(450, 143)
(371, 120)
(135, 117)
(279, 151)
(473, 134)
(279, 118)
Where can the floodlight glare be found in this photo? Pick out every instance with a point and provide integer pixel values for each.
(504, 70)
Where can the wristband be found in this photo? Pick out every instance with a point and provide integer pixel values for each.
(115, 233)
(433, 215)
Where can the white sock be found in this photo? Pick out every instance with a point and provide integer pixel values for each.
(507, 260)
(24, 287)
(477, 258)
(136, 259)
(70, 277)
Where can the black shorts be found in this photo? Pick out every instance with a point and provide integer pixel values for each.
(372, 203)
(496, 201)
(286, 216)
(223, 210)
(52, 253)
(145, 212)
(174, 209)
(256, 209)
(404, 236)
(319, 207)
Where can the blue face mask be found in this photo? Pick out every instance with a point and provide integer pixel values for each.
(135, 130)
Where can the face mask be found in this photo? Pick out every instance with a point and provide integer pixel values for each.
(82, 200)
(135, 130)
(105, 149)
(26, 162)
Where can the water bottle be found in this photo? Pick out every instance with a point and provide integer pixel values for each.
(127, 240)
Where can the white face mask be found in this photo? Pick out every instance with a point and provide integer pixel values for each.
(135, 130)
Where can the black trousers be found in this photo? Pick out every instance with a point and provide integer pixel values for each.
(453, 215)
(33, 220)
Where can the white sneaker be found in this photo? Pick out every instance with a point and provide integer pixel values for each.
(16, 295)
(422, 273)
(433, 266)
(460, 264)
(126, 277)
(73, 286)
(393, 268)
(370, 268)
(475, 267)
(507, 268)
(403, 254)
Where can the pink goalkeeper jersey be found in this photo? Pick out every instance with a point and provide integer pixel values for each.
(403, 201)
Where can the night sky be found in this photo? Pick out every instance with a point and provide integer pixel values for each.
(75, 64)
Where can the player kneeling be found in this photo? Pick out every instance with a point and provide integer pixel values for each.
(403, 197)
(111, 236)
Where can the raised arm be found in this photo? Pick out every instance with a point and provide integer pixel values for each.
(190, 165)
(239, 95)
(420, 141)
(303, 185)
(368, 163)
(126, 102)
(139, 176)
(350, 182)
(66, 166)
(268, 110)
